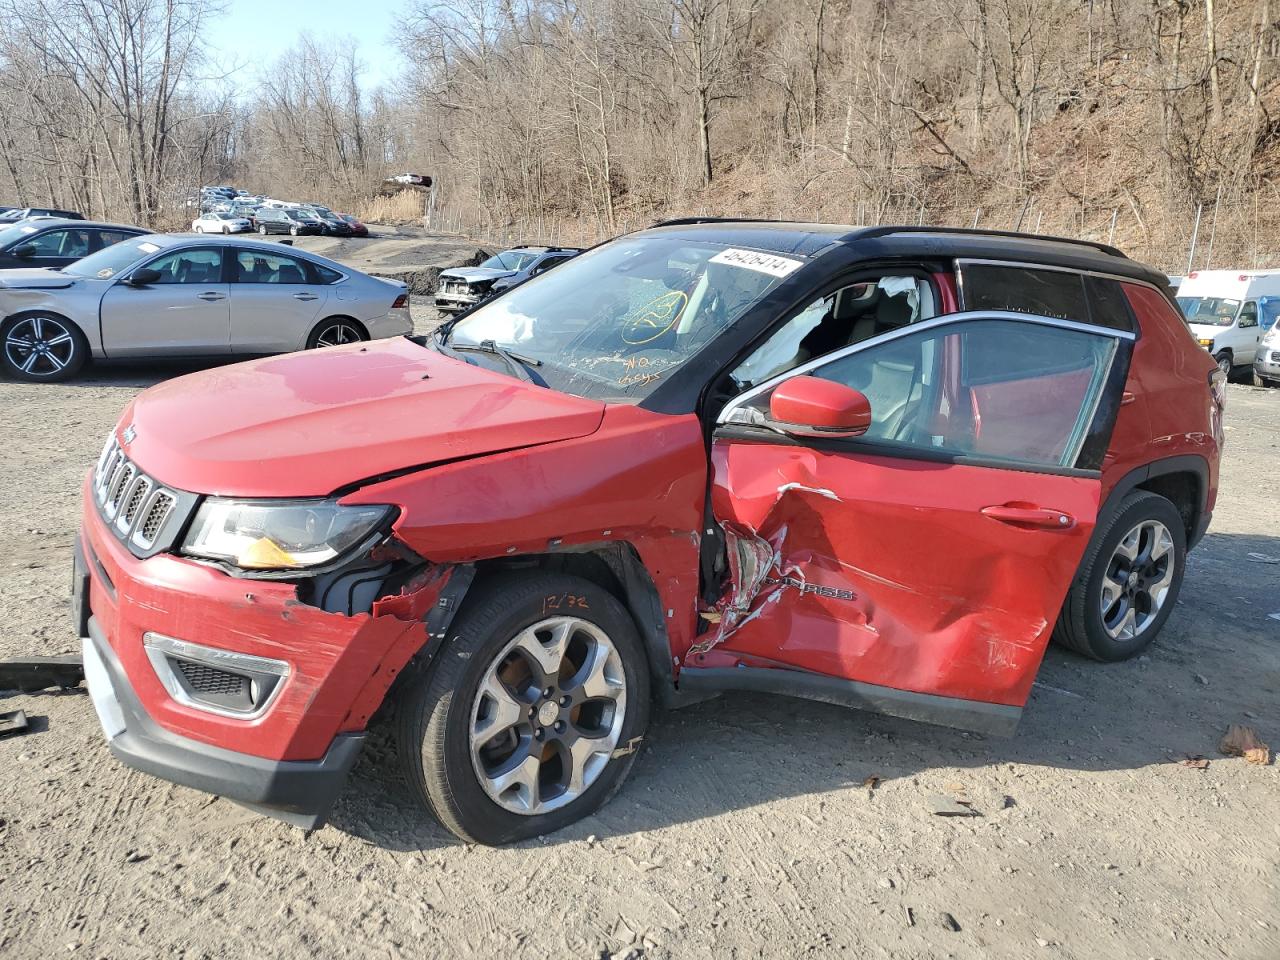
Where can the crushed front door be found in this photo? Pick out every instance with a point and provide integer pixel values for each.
(924, 563)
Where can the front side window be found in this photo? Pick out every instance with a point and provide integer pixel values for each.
(189, 266)
(1000, 390)
(60, 243)
(849, 315)
(254, 266)
(1249, 315)
(615, 322)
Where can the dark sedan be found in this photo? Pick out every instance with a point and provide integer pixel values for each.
(57, 243)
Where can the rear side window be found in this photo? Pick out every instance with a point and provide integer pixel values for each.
(325, 275)
(1063, 294)
(253, 266)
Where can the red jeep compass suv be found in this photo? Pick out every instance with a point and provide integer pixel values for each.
(877, 467)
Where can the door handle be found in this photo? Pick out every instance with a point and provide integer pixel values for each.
(1030, 516)
(305, 296)
(210, 297)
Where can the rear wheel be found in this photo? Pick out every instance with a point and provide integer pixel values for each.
(1128, 582)
(293, 231)
(262, 229)
(43, 347)
(335, 332)
(526, 720)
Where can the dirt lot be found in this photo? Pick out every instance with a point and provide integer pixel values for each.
(745, 829)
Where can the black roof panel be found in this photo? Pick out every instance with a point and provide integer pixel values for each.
(808, 239)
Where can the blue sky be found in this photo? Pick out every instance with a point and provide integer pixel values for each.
(236, 38)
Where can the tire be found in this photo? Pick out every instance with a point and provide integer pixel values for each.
(293, 231)
(263, 229)
(1083, 626)
(226, 231)
(1224, 362)
(199, 229)
(445, 702)
(65, 349)
(1261, 381)
(336, 332)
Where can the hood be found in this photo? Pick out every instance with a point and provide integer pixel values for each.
(35, 278)
(306, 424)
(1206, 331)
(472, 274)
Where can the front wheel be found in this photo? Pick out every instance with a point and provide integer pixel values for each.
(199, 229)
(293, 231)
(529, 716)
(1261, 381)
(263, 229)
(43, 347)
(1128, 581)
(1224, 362)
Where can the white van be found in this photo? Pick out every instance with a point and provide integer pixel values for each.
(1229, 311)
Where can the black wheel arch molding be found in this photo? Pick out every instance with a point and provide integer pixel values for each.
(1148, 476)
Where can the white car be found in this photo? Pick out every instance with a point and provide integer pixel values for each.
(220, 223)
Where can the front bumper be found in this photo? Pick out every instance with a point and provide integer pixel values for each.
(1267, 363)
(452, 302)
(299, 792)
(289, 760)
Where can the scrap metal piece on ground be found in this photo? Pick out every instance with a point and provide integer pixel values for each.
(38, 673)
(940, 805)
(1242, 741)
(13, 722)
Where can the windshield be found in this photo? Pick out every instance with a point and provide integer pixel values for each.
(109, 261)
(9, 234)
(511, 260)
(1210, 311)
(611, 324)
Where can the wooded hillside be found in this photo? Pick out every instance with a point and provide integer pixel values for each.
(576, 119)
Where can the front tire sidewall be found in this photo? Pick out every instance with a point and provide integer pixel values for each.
(79, 355)
(1224, 362)
(1137, 507)
(444, 705)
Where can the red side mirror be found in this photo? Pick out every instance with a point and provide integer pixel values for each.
(812, 407)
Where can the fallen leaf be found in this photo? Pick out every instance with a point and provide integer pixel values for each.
(1195, 763)
(871, 782)
(1242, 741)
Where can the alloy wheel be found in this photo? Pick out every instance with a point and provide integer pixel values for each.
(338, 334)
(39, 346)
(1225, 364)
(548, 715)
(1137, 580)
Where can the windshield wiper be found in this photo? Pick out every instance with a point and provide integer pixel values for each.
(518, 363)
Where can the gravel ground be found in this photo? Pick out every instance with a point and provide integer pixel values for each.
(745, 830)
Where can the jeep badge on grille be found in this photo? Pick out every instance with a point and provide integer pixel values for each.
(129, 434)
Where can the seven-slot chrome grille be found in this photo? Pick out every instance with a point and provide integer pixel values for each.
(136, 508)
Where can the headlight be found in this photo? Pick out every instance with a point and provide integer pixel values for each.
(1206, 343)
(279, 534)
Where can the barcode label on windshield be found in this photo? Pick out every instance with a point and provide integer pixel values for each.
(768, 263)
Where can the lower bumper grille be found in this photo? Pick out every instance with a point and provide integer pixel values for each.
(218, 681)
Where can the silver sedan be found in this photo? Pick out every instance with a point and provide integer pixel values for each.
(179, 296)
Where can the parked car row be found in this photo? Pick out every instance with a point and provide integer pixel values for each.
(263, 215)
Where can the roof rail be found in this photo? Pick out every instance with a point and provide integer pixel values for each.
(871, 232)
(687, 221)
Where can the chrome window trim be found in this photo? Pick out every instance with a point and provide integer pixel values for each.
(944, 320)
(158, 647)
